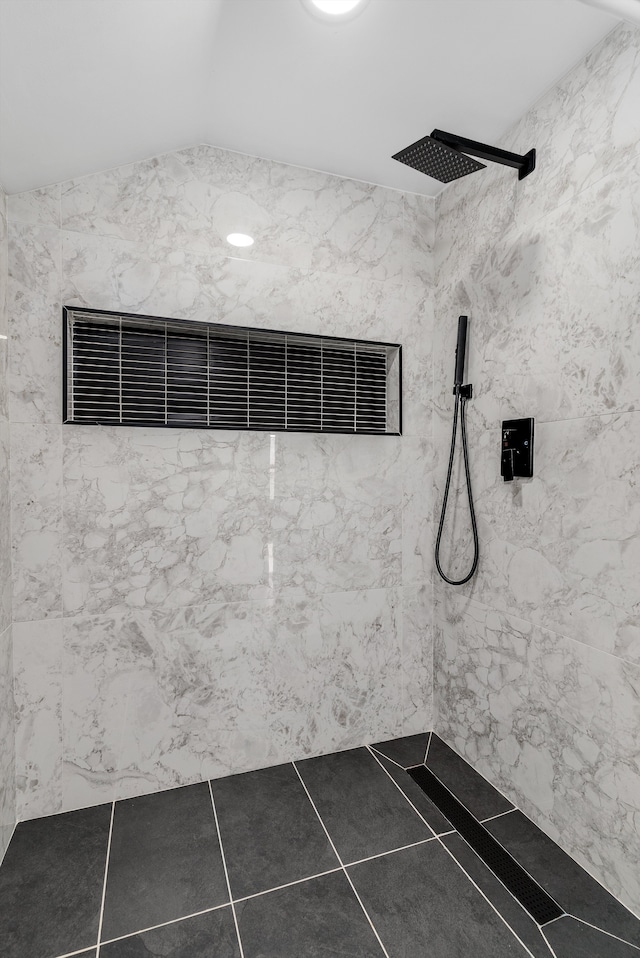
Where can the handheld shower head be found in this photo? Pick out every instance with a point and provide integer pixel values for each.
(461, 348)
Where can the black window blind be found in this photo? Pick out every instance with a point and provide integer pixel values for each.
(125, 369)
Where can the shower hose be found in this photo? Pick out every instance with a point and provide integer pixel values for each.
(461, 402)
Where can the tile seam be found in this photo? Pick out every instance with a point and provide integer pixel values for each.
(408, 800)
(345, 872)
(226, 873)
(104, 883)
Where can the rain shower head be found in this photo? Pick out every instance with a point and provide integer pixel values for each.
(444, 157)
(437, 160)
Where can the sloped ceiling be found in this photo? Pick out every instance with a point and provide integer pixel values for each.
(86, 85)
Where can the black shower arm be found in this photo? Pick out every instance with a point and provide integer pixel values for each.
(524, 164)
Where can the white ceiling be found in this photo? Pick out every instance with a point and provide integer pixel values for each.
(86, 85)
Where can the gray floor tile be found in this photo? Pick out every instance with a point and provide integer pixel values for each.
(51, 884)
(407, 751)
(270, 832)
(421, 903)
(165, 860)
(315, 919)
(571, 939)
(417, 797)
(363, 811)
(562, 877)
(212, 935)
(468, 786)
(513, 913)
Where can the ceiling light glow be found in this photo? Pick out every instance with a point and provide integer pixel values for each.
(336, 7)
(240, 239)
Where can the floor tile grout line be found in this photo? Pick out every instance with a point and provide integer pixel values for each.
(72, 954)
(420, 816)
(164, 924)
(603, 931)
(488, 900)
(484, 779)
(289, 884)
(346, 873)
(226, 873)
(490, 818)
(392, 851)
(426, 754)
(106, 873)
(372, 748)
(506, 850)
(548, 943)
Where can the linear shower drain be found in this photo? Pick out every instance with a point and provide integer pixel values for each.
(531, 896)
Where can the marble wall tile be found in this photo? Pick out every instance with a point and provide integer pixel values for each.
(38, 664)
(262, 568)
(7, 743)
(554, 309)
(36, 520)
(4, 318)
(36, 207)
(561, 549)
(552, 722)
(417, 463)
(417, 657)
(223, 688)
(107, 273)
(337, 513)
(193, 199)
(35, 324)
(5, 530)
(163, 517)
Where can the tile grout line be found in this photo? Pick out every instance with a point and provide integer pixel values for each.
(426, 754)
(104, 884)
(405, 797)
(601, 930)
(499, 815)
(397, 764)
(289, 884)
(548, 943)
(392, 851)
(346, 873)
(164, 924)
(489, 902)
(226, 873)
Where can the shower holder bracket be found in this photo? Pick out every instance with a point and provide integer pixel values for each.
(465, 392)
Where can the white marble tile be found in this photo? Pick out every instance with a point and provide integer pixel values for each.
(7, 750)
(4, 318)
(419, 226)
(552, 722)
(99, 658)
(561, 549)
(156, 699)
(5, 530)
(107, 273)
(194, 198)
(35, 324)
(36, 207)
(417, 464)
(36, 520)
(417, 658)
(336, 519)
(38, 664)
(163, 517)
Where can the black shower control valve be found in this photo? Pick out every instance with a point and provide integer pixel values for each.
(516, 460)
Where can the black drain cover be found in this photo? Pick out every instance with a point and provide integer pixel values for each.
(531, 896)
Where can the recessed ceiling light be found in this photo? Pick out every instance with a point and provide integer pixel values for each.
(240, 239)
(335, 9)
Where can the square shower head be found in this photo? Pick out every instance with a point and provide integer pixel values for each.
(437, 160)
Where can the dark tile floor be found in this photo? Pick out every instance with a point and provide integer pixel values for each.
(342, 855)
